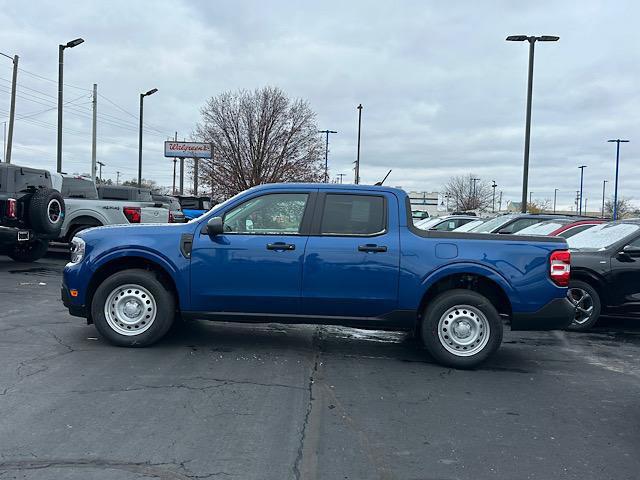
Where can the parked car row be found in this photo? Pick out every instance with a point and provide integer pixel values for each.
(38, 207)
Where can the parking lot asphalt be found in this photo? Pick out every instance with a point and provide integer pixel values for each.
(226, 401)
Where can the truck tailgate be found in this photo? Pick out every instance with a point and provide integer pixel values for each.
(154, 215)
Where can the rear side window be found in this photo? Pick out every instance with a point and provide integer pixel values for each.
(78, 188)
(353, 215)
(520, 224)
(570, 232)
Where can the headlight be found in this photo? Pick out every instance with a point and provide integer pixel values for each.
(77, 249)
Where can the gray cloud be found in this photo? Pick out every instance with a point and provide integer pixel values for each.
(443, 93)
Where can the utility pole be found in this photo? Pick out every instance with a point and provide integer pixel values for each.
(581, 167)
(604, 186)
(577, 198)
(12, 109)
(100, 174)
(474, 202)
(195, 176)
(530, 201)
(340, 175)
(527, 135)
(615, 188)
(358, 155)
(173, 190)
(585, 206)
(555, 194)
(117, 178)
(500, 202)
(493, 201)
(94, 132)
(326, 154)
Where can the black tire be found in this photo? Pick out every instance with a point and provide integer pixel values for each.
(46, 211)
(588, 306)
(150, 290)
(29, 251)
(75, 229)
(468, 312)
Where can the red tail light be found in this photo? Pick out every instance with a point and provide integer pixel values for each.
(560, 267)
(132, 214)
(12, 208)
(171, 219)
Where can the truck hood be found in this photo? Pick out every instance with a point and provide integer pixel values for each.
(129, 233)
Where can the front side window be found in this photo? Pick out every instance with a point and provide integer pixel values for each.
(353, 215)
(277, 213)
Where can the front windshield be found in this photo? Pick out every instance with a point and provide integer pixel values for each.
(542, 228)
(467, 227)
(602, 236)
(493, 224)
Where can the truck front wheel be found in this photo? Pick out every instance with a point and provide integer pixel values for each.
(132, 308)
(461, 328)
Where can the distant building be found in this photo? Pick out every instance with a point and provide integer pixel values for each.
(427, 201)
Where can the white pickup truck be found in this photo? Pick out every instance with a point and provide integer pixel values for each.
(115, 206)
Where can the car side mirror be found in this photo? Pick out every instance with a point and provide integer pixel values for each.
(504, 231)
(215, 226)
(630, 251)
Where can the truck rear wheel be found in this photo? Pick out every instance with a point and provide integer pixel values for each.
(29, 251)
(132, 308)
(461, 328)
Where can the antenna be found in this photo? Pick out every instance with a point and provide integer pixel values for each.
(379, 184)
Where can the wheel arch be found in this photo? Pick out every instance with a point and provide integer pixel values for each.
(469, 280)
(118, 264)
(594, 280)
(81, 220)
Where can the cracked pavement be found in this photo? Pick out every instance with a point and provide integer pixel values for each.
(302, 402)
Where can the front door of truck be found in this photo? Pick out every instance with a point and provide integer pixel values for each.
(625, 279)
(351, 264)
(256, 265)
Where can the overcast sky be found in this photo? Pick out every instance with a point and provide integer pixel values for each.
(443, 92)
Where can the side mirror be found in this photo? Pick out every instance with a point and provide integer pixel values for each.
(504, 231)
(630, 251)
(215, 226)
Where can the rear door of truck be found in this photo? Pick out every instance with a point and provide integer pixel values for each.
(351, 264)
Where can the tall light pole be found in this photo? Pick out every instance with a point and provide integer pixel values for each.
(340, 175)
(604, 186)
(530, 201)
(326, 154)
(581, 167)
(71, 44)
(358, 155)
(493, 201)
(12, 109)
(101, 164)
(527, 134)
(615, 188)
(142, 95)
(473, 194)
(555, 195)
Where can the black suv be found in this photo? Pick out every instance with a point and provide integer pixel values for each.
(31, 212)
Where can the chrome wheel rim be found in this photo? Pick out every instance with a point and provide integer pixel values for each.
(584, 305)
(463, 330)
(54, 211)
(130, 309)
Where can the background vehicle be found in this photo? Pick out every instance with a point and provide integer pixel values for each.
(86, 208)
(605, 272)
(176, 215)
(31, 212)
(419, 215)
(563, 227)
(193, 207)
(445, 223)
(512, 223)
(320, 254)
(467, 227)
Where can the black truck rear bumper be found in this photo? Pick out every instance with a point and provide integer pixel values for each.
(555, 315)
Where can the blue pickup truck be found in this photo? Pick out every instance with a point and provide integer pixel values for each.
(319, 254)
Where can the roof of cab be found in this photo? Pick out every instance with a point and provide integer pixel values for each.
(331, 186)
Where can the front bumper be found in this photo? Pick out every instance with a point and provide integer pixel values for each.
(555, 315)
(74, 309)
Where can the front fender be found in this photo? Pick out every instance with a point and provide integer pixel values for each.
(473, 268)
(141, 252)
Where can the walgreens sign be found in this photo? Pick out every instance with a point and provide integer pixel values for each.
(187, 149)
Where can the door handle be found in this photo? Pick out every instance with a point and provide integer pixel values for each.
(280, 246)
(372, 248)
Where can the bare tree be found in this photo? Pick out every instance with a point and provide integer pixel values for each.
(624, 207)
(146, 183)
(539, 205)
(467, 192)
(258, 137)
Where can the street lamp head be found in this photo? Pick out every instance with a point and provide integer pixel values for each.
(150, 92)
(516, 38)
(548, 38)
(74, 43)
